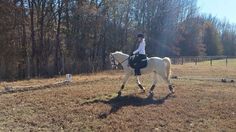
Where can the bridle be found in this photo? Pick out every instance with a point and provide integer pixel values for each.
(114, 60)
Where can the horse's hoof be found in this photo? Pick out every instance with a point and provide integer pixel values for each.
(143, 91)
(171, 88)
(103, 115)
(150, 94)
(119, 94)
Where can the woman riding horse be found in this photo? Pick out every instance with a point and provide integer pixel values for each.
(156, 65)
(138, 55)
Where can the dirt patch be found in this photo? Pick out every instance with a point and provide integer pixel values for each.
(90, 104)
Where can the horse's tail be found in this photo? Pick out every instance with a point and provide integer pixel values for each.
(168, 67)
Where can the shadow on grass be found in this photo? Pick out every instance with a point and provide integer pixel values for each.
(118, 102)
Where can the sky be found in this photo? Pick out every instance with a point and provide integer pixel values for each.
(222, 9)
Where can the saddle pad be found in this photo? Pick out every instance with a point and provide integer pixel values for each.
(141, 64)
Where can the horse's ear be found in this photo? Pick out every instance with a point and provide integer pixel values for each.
(112, 52)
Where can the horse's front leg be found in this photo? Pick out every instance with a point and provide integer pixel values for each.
(139, 84)
(124, 82)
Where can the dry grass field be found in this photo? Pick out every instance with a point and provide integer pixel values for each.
(197, 105)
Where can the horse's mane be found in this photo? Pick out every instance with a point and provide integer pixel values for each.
(120, 52)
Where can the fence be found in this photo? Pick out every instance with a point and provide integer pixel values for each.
(196, 59)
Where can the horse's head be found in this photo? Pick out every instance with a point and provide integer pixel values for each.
(113, 60)
(117, 58)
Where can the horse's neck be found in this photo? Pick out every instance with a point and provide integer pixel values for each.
(122, 57)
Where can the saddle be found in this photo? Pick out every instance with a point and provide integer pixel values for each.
(135, 63)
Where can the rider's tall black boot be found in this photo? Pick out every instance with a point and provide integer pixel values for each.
(137, 72)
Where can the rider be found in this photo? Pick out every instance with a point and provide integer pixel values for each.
(139, 53)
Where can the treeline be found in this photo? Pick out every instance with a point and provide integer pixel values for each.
(52, 37)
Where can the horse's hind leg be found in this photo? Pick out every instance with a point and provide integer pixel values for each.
(171, 88)
(139, 84)
(123, 84)
(154, 84)
(170, 85)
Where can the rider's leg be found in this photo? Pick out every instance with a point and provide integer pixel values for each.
(137, 71)
(137, 65)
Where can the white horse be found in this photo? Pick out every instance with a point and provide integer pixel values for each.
(156, 65)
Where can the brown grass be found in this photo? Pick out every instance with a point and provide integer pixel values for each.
(196, 105)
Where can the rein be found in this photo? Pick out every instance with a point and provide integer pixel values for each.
(114, 59)
(122, 61)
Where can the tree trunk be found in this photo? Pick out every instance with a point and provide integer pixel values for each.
(33, 46)
(40, 58)
(26, 63)
(58, 55)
